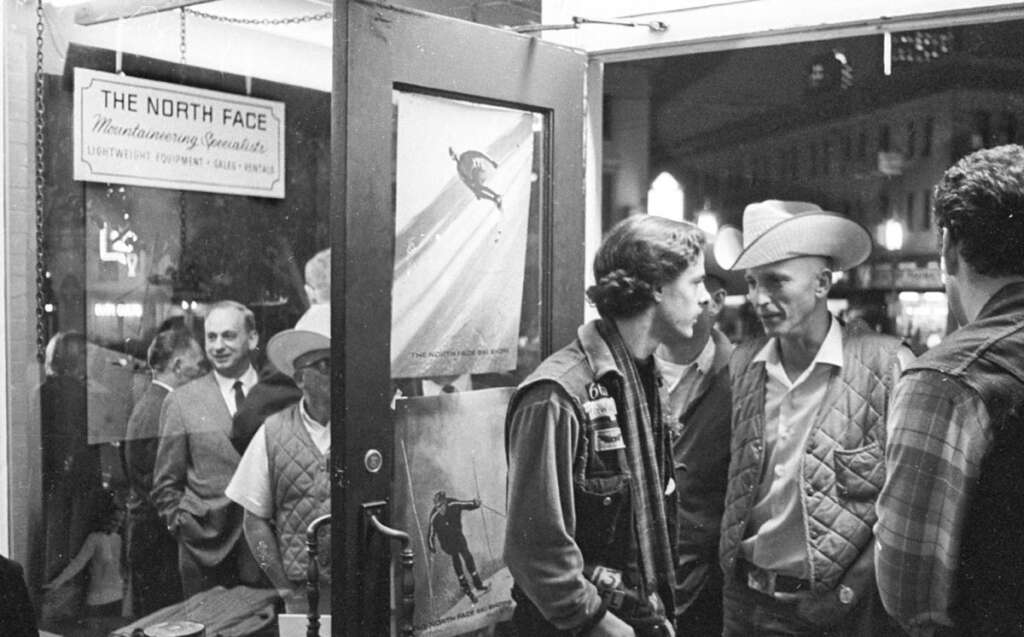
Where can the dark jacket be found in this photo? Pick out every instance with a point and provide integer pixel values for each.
(17, 616)
(700, 453)
(141, 444)
(988, 357)
(275, 391)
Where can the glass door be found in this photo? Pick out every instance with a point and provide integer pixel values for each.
(458, 233)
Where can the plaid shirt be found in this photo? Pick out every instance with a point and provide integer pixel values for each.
(941, 431)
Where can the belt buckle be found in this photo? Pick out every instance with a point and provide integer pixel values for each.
(761, 580)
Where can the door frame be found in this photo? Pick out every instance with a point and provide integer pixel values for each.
(378, 48)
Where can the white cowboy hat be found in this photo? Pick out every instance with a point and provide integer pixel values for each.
(778, 230)
(312, 332)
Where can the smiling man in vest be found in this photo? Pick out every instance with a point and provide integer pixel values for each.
(808, 429)
(949, 555)
(283, 479)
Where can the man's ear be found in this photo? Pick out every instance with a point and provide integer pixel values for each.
(950, 255)
(717, 302)
(824, 282)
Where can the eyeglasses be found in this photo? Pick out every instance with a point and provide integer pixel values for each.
(322, 365)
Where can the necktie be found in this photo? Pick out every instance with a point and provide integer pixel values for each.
(239, 395)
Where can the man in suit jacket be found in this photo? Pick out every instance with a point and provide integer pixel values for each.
(174, 358)
(195, 458)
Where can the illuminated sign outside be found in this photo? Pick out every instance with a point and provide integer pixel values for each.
(119, 246)
(117, 310)
(144, 133)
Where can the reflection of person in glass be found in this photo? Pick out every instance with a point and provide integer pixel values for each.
(71, 468)
(446, 526)
(174, 358)
(101, 553)
(588, 540)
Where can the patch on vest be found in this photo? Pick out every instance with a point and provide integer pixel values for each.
(602, 415)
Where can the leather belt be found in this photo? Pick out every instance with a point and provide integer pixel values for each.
(770, 582)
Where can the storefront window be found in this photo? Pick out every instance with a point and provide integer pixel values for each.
(124, 263)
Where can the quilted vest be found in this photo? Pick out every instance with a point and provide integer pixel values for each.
(300, 479)
(842, 469)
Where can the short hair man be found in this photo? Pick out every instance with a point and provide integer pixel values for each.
(283, 480)
(808, 426)
(950, 513)
(696, 372)
(318, 277)
(174, 357)
(587, 539)
(195, 458)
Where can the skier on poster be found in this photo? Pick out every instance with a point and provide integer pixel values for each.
(474, 169)
(446, 525)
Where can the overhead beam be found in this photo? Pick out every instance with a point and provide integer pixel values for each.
(100, 11)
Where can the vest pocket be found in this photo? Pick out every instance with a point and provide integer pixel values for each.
(600, 503)
(859, 472)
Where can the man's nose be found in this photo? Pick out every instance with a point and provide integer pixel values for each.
(703, 297)
(757, 296)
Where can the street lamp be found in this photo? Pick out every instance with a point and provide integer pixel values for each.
(892, 235)
(707, 221)
(892, 240)
(665, 197)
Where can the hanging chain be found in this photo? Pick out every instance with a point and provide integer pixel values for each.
(40, 112)
(313, 17)
(182, 211)
(182, 41)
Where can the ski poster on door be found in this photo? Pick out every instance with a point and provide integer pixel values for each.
(449, 492)
(464, 177)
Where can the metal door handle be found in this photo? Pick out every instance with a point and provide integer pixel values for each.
(313, 576)
(407, 585)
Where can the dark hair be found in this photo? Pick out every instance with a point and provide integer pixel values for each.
(980, 200)
(103, 506)
(638, 255)
(713, 282)
(165, 345)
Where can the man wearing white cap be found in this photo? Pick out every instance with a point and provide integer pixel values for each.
(283, 479)
(808, 429)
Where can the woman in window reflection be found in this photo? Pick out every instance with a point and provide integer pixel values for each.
(71, 468)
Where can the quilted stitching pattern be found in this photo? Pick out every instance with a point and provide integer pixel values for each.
(300, 476)
(838, 495)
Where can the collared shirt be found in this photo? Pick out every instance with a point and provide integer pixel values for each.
(791, 408)
(933, 457)
(682, 380)
(227, 386)
(250, 486)
(160, 383)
